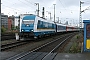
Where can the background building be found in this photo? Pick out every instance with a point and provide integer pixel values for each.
(9, 23)
(4, 21)
(13, 20)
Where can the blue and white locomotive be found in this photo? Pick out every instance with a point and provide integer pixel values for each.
(32, 26)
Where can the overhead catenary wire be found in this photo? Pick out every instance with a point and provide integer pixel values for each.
(62, 4)
(26, 4)
(16, 11)
(14, 3)
(11, 8)
(30, 2)
(67, 9)
(14, 8)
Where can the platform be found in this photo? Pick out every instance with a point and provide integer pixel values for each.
(5, 55)
(72, 56)
(52, 56)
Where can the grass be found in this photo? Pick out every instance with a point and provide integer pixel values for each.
(76, 46)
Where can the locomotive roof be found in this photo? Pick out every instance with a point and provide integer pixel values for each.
(29, 17)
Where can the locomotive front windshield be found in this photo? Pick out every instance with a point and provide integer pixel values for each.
(28, 21)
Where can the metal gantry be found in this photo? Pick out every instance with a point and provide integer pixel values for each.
(37, 9)
(50, 14)
(80, 17)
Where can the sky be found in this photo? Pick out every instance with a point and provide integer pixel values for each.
(66, 10)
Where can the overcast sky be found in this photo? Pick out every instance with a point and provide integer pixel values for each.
(66, 10)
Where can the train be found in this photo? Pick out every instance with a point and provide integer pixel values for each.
(34, 27)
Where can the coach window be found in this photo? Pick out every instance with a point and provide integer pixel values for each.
(52, 26)
(49, 25)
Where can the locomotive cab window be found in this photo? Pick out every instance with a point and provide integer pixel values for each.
(28, 21)
(88, 31)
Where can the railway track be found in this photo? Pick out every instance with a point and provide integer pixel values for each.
(15, 44)
(7, 36)
(12, 45)
(40, 54)
(3, 38)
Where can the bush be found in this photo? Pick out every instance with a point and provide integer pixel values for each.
(3, 29)
(77, 37)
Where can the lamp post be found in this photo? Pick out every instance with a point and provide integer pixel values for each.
(54, 12)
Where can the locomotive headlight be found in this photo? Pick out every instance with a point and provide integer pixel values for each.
(22, 30)
(27, 25)
(31, 30)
